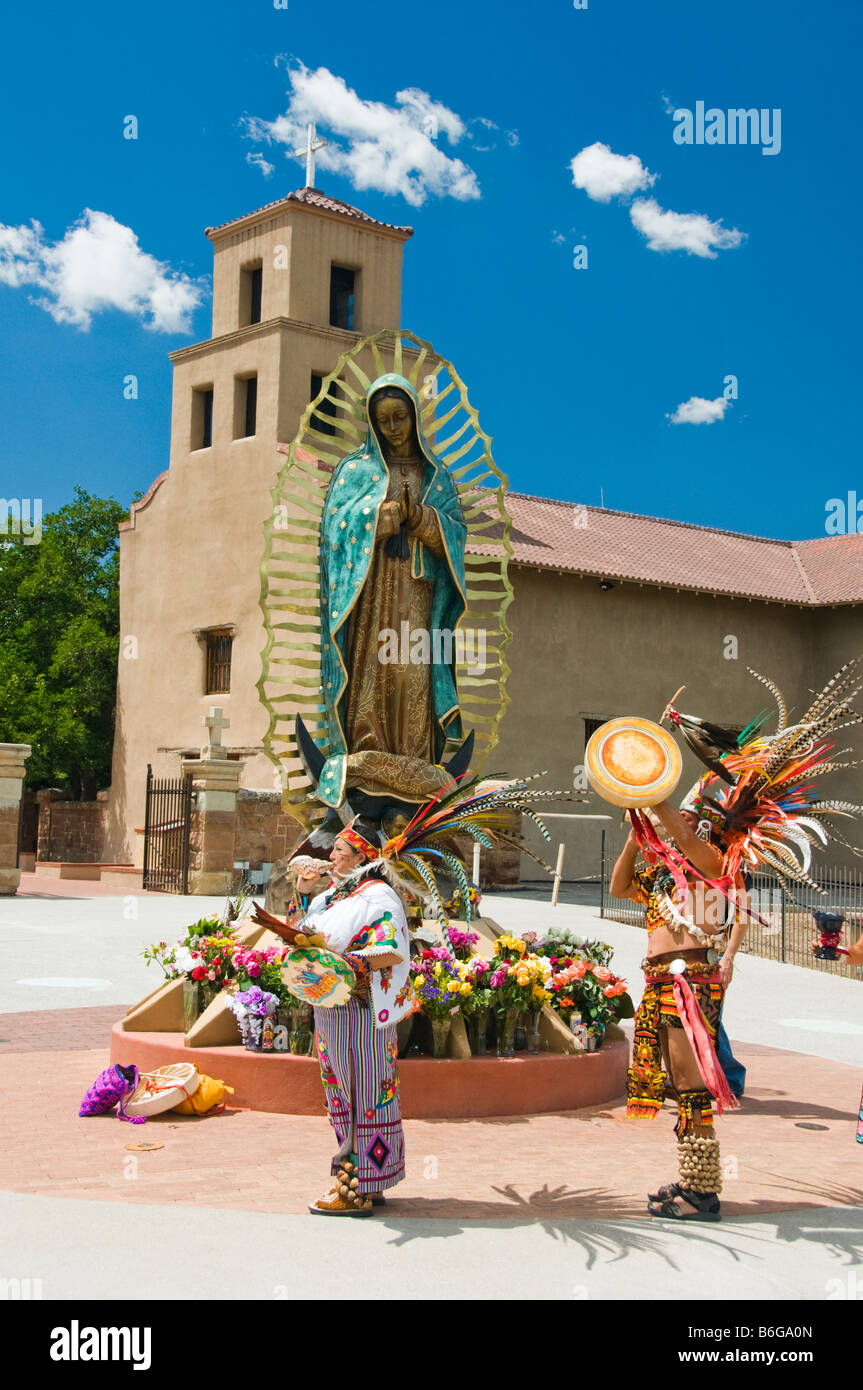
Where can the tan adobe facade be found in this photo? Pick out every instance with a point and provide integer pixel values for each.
(190, 553)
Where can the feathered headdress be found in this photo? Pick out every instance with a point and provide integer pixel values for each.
(427, 848)
(772, 814)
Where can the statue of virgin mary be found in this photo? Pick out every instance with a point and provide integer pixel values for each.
(392, 588)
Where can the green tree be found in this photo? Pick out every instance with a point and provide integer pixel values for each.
(59, 625)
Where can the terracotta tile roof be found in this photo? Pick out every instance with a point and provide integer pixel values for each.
(314, 198)
(834, 567)
(650, 550)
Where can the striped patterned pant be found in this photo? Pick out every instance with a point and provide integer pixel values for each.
(360, 1076)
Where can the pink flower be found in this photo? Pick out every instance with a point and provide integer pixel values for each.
(498, 978)
(211, 974)
(602, 972)
(253, 969)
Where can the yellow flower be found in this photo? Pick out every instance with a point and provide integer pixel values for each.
(453, 987)
(465, 988)
(511, 943)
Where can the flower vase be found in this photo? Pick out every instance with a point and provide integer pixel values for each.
(440, 1034)
(284, 1024)
(301, 1030)
(533, 1039)
(595, 1035)
(254, 1041)
(208, 994)
(243, 1025)
(477, 1028)
(506, 1022)
(191, 1003)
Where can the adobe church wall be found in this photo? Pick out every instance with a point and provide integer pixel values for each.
(579, 652)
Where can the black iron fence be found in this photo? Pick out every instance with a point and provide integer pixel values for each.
(788, 923)
(167, 831)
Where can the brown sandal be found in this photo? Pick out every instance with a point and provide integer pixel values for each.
(706, 1206)
(666, 1193)
(343, 1199)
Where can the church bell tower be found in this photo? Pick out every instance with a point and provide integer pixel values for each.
(295, 284)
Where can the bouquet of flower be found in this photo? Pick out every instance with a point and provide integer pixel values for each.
(475, 972)
(253, 1003)
(438, 983)
(518, 977)
(263, 967)
(462, 942)
(580, 985)
(192, 955)
(214, 961)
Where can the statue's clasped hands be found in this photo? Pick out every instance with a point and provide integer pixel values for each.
(394, 514)
(411, 512)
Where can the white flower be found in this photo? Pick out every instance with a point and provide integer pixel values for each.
(184, 961)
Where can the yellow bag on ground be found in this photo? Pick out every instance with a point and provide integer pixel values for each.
(210, 1092)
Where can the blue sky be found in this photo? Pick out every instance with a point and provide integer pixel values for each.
(574, 372)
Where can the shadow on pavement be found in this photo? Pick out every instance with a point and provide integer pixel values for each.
(598, 1221)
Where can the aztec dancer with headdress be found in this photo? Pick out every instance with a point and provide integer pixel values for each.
(758, 807)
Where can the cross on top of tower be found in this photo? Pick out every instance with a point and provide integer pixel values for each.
(312, 145)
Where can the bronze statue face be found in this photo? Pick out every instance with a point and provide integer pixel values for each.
(394, 419)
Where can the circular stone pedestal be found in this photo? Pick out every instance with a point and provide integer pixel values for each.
(449, 1089)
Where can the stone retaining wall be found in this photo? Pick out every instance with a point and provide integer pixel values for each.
(264, 832)
(72, 831)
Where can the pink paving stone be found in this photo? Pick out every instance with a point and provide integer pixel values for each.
(583, 1165)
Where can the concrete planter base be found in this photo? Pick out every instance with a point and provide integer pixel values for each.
(452, 1088)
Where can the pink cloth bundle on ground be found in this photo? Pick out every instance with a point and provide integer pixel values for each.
(112, 1087)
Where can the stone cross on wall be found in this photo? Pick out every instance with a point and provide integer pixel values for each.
(215, 722)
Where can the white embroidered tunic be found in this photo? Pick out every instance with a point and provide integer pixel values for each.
(370, 922)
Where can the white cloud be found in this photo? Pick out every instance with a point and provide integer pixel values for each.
(19, 254)
(97, 265)
(682, 231)
(698, 411)
(605, 175)
(257, 161)
(390, 148)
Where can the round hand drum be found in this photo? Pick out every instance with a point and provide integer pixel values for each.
(632, 762)
(318, 977)
(162, 1089)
